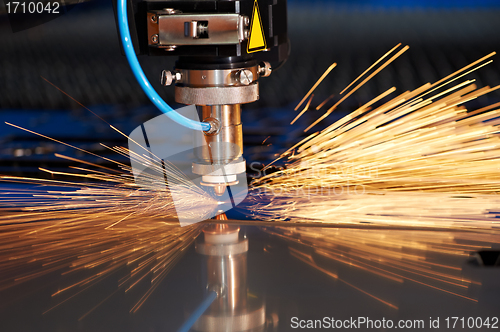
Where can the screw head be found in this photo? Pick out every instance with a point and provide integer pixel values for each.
(246, 20)
(154, 39)
(245, 76)
(153, 19)
(265, 69)
(171, 11)
(166, 78)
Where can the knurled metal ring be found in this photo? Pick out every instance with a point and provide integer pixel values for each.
(228, 95)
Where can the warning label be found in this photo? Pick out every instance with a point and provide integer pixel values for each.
(256, 40)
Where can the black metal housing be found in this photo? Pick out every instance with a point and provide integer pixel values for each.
(274, 22)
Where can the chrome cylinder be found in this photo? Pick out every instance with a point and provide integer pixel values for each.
(217, 86)
(226, 262)
(226, 143)
(230, 272)
(226, 273)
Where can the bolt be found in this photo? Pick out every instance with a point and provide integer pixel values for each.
(214, 127)
(265, 69)
(154, 39)
(166, 78)
(153, 18)
(245, 76)
(170, 48)
(246, 21)
(246, 33)
(170, 11)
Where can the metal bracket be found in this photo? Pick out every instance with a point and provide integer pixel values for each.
(169, 28)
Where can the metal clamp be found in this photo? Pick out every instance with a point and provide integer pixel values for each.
(168, 27)
(195, 78)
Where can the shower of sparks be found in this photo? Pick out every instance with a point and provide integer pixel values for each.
(109, 222)
(419, 159)
(430, 259)
(325, 74)
(370, 76)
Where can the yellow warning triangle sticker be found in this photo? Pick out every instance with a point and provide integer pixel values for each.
(256, 40)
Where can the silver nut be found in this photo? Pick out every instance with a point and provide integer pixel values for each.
(245, 76)
(214, 126)
(219, 289)
(246, 33)
(171, 11)
(246, 20)
(166, 78)
(177, 76)
(265, 69)
(154, 39)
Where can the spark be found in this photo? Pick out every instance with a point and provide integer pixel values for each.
(303, 111)
(104, 221)
(264, 141)
(420, 159)
(375, 72)
(371, 67)
(324, 102)
(325, 74)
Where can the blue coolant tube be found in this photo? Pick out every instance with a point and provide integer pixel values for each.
(198, 312)
(141, 77)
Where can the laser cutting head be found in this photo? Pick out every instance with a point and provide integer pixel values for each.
(224, 47)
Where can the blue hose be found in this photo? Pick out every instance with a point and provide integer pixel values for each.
(141, 77)
(198, 312)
